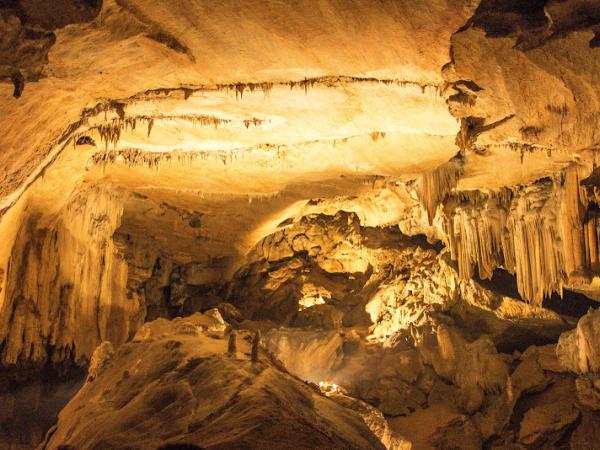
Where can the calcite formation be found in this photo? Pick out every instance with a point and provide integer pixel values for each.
(73, 260)
(333, 224)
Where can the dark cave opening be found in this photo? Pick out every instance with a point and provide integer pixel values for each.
(29, 408)
(572, 304)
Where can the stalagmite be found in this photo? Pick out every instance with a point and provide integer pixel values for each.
(255, 346)
(232, 343)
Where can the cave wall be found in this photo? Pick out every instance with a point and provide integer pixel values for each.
(502, 56)
(65, 284)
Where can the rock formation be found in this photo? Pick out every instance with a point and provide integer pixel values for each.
(174, 384)
(268, 224)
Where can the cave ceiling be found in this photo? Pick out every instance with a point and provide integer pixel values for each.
(214, 106)
(215, 99)
(330, 88)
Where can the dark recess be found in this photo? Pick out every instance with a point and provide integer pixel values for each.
(572, 304)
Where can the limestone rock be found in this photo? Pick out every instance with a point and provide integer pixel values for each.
(100, 358)
(392, 396)
(587, 433)
(229, 313)
(324, 317)
(545, 356)
(376, 422)
(367, 210)
(588, 391)
(577, 350)
(459, 433)
(311, 355)
(169, 387)
(470, 365)
(528, 376)
(77, 309)
(545, 424)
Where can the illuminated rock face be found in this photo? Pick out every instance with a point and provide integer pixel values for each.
(188, 390)
(64, 285)
(391, 196)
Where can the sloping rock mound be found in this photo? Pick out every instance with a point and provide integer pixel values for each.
(177, 383)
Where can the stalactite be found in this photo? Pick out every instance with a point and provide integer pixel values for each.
(580, 214)
(150, 124)
(65, 284)
(590, 196)
(433, 187)
(119, 108)
(475, 231)
(133, 157)
(194, 119)
(518, 229)
(572, 216)
(533, 228)
(239, 88)
(266, 88)
(187, 93)
(254, 121)
(522, 148)
(376, 135)
(110, 132)
(547, 233)
(435, 90)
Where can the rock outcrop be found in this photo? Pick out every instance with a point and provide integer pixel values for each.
(174, 383)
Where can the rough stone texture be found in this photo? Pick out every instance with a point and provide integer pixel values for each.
(577, 350)
(174, 383)
(540, 424)
(588, 392)
(64, 290)
(157, 51)
(311, 355)
(405, 187)
(459, 433)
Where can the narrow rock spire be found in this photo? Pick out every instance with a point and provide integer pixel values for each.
(232, 344)
(255, 345)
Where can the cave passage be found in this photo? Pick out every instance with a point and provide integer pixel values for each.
(573, 304)
(258, 224)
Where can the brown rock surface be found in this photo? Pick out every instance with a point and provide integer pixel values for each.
(174, 383)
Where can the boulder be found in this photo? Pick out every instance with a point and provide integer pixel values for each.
(458, 434)
(546, 424)
(578, 350)
(173, 388)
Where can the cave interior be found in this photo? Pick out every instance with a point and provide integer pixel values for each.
(336, 224)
